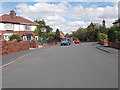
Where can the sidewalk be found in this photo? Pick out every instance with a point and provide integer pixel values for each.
(13, 56)
(106, 49)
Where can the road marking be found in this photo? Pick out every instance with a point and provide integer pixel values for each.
(13, 61)
(17, 60)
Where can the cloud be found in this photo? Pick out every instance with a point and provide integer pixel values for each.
(55, 14)
(41, 9)
(95, 14)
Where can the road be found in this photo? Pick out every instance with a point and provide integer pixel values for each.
(75, 66)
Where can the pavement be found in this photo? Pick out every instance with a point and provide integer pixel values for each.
(13, 56)
(110, 50)
(74, 66)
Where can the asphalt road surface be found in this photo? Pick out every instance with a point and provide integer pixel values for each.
(75, 66)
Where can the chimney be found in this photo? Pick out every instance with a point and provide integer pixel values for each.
(13, 14)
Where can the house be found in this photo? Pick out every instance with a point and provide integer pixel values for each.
(11, 24)
(117, 22)
(62, 35)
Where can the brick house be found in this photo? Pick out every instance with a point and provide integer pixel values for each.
(62, 35)
(11, 24)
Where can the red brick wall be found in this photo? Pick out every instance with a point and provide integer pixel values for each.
(114, 45)
(7, 47)
(111, 44)
(13, 46)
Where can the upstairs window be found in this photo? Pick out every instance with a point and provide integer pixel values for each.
(27, 28)
(9, 26)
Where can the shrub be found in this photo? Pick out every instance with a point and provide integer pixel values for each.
(102, 36)
(15, 36)
(114, 34)
(75, 38)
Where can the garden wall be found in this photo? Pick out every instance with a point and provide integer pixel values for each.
(114, 45)
(7, 47)
(13, 46)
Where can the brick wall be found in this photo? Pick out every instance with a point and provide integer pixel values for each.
(13, 46)
(111, 44)
(114, 45)
(7, 47)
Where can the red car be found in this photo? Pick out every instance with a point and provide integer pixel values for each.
(77, 41)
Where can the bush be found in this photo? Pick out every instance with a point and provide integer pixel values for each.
(102, 36)
(114, 34)
(75, 38)
(15, 36)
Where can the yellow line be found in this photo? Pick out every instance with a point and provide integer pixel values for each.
(13, 61)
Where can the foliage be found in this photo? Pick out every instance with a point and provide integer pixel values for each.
(102, 36)
(68, 35)
(75, 38)
(87, 34)
(103, 28)
(15, 36)
(57, 34)
(42, 30)
(114, 34)
(92, 32)
(37, 30)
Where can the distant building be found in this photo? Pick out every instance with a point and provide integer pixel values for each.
(62, 35)
(117, 22)
(11, 24)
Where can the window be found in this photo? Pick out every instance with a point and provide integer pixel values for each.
(36, 37)
(9, 26)
(6, 37)
(27, 28)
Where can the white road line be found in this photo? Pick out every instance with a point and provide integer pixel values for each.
(16, 60)
(13, 61)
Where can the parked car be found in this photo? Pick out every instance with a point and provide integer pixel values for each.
(77, 41)
(65, 41)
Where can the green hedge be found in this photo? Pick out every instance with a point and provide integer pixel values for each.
(114, 34)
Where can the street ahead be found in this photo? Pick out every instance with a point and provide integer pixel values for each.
(75, 66)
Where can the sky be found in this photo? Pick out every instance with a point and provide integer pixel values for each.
(65, 15)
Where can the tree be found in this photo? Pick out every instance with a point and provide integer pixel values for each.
(92, 32)
(57, 34)
(114, 34)
(103, 28)
(68, 35)
(37, 30)
(42, 30)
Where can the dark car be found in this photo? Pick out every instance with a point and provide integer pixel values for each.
(65, 41)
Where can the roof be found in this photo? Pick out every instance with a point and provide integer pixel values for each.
(61, 32)
(117, 21)
(17, 19)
